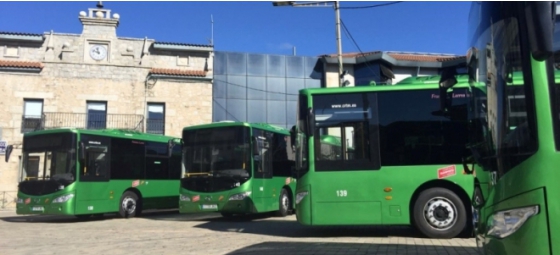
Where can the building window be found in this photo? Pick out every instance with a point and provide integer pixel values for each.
(155, 122)
(32, 115)
(96, 115)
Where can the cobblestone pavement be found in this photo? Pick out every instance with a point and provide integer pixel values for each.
(172, 233)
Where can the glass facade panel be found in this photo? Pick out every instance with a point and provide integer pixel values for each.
(220, 63)
(236, 109)
(256, 110)
(276, 66)
(256, 87)
(294, 67)
(261, 88)
(276, 112)
(237, 87)
(293, 86)
(276, 88)
(237, 63)
(220, 86)
(218, 109)
(256, 64)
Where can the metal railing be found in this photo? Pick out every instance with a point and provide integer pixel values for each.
(8, 199)
(155, 126)
(51, 120)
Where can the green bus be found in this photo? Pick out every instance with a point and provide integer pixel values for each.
(399, 161)
(91, 172)
(515, 136)
(237, 168)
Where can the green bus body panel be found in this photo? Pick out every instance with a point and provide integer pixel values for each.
(532, 182)
(94, 197)
(367, 202)
(264, 192)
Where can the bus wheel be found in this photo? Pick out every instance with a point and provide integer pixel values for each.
(130, 206)
(439, 213)
(284, 204)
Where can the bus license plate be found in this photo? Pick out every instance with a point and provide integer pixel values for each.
(37, 208)
(210, 207)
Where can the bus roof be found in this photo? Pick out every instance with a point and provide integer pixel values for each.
(228, 123)
(105, 132)
(410, 83)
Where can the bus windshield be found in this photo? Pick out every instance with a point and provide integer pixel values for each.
(49, 157)
(555, 86)
(217, 152)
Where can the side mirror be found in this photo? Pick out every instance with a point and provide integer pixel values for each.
(446, 81)
(82, 152)
(255, 146)
(541, 17)
(293, 136)
(9, 150)
(310, 122)
(170, 145)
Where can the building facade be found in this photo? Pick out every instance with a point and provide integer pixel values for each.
(96, 80)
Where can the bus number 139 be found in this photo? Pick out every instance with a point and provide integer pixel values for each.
(341, 193)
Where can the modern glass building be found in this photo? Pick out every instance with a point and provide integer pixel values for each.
(260, 87)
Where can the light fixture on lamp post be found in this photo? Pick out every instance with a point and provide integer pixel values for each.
(337, 24)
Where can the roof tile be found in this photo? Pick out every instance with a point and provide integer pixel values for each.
(20, 64)
(184, 44)
(423, 58)
(178, 72)
(18, 33)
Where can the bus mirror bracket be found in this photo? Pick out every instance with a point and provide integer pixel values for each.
(446, 82)
(541, 36)
(310, 122)
(170, 145)
(82, 151)
(255, 146)
(9, 150)
(293, 136)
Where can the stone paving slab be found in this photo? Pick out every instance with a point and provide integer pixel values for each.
(173, 233)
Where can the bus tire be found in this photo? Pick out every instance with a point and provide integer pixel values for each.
(129, 205)
(283, 204)
(439, 213)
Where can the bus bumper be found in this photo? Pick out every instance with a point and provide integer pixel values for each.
(234, 206)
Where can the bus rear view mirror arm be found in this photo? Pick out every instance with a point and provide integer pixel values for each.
(9, 149)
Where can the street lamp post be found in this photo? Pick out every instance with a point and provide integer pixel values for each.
(337, 23)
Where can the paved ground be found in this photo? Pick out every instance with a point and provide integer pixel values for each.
(173, 233)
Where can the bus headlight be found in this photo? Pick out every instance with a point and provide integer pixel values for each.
(19, 200)
(63, 198)
(240, 196)
(300, 196)
(184, 198)
(504, 223)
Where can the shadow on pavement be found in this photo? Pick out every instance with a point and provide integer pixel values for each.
(297, 248)
(149, 214)
(291, 228)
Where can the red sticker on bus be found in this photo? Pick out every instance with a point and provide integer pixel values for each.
(446, 171)
(27, 201)
(195, 198)
(135, 183)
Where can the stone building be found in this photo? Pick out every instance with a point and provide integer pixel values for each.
(97, 79)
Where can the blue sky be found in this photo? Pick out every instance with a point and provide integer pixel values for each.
(258, 27)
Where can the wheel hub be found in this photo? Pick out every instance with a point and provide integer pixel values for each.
(440, 213)
(129, 205)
